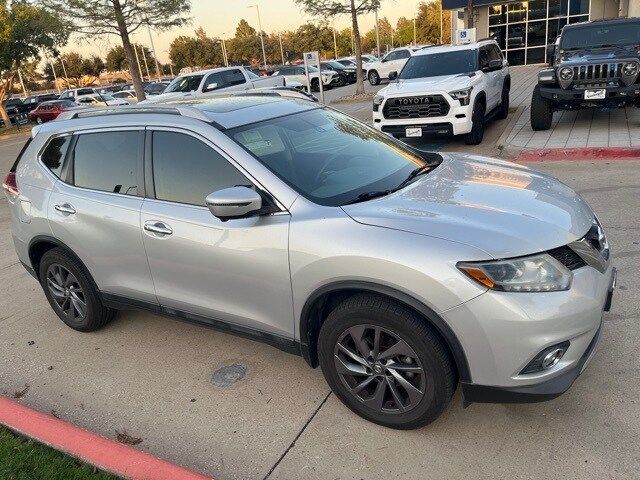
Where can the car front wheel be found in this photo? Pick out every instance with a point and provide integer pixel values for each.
(541, 111)
(384, 362)
(475, 136)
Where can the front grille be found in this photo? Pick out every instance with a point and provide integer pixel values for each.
(567, 257)
(601, 71)
(424, 106)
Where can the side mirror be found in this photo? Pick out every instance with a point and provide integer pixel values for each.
(234, 202)
(551, 53)
(210, 86)
(393, 75)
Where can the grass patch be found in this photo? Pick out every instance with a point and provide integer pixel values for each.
(22, 459)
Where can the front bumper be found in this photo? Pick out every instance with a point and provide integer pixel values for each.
(502, 332)
(572, 98)
(457, 122)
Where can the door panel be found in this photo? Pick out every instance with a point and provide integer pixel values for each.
(236, 271)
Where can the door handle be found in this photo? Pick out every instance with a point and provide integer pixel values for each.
(157, 227)
(65, 208)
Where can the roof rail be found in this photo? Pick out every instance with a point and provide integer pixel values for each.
(185, 111)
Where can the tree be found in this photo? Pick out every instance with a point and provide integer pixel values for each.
(95, 18)
(25, 30)
(198, 51)
(331, 8)
(404, 32)
(428, 24)
(117, 60)
(245, 46)
(76, 70)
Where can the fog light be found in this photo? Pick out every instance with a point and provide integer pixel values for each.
(547, 358)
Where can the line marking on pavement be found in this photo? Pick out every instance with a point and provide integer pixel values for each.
(292, 444)
(89, 447)
(579, 154)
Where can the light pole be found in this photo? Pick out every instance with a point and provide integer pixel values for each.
(377, 35)
(24, 90)
(170, 65)
(146, 67)
(135, 49)
(225, 59)
(441, 36)
(64, 70)
(55, 78)
(414, 33)
(264, 55)
(281, 49)
(153, 52)
(392, 38)
(335, 43)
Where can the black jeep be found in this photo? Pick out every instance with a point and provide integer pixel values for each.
(595, 64)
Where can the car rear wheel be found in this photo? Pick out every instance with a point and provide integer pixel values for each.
(541, 111)
(374, 78)
(384, 363)
(71, 293)
(475, 136)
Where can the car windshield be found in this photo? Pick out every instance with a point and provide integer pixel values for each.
(188, 83)
(600, 35)
(334, 65)
(437, 64)
(328, 157)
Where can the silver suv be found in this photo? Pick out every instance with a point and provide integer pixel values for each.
(400, 272)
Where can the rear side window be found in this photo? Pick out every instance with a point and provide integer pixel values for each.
(14, 167)
(54, 154)
(186, 170)
(107, 161)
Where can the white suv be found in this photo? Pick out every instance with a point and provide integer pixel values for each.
(391, 62)
(446, 90)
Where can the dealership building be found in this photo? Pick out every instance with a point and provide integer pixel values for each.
(523, 29)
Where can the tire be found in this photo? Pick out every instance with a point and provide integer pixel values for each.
(420, 349)
(541, 111)
(373, 77)
(315, 85)
(475, 136)
(503, 111)
(342, 82)
(77, 287)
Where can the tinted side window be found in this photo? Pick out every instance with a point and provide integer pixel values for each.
(233, 77)
(484, 57)
(53, 155)
(186, 170)
(403, 54)
(391, 56)
(213, 82)
(107, 161)
(494, 53)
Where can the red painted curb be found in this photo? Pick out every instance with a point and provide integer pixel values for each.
(89, 447)
(576, 154)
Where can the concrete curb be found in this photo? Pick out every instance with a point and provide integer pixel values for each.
(89, 447)
(577, 154)
(510, 126)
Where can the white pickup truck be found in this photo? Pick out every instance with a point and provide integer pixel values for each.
(214, 81)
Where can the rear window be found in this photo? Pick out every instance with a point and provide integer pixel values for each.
(107, 161)
(22, 150)
(54, 153)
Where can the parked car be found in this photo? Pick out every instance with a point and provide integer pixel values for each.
(50, 110)
(295, 74)
(98, 99)
(16, 117)
(392, 62)
(345, 75)
(32, 101)
(214, 82)
(594, 64)
(128, 95)
(16, 104)
(74, 93)
(449, 90)
(400, 272)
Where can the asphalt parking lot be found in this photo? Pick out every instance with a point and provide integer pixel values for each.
(153, 378)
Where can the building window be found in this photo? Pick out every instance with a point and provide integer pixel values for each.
(522, 29)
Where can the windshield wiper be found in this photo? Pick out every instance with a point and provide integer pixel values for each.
(414, 173)
(363, 197)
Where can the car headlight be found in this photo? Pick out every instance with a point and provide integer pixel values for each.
(464, 95)
(630, 69)
(377, 101)
(535, 273)
(566, 73)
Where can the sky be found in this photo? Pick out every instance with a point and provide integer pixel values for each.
(220, 17)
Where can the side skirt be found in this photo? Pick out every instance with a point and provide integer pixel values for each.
(123, 303)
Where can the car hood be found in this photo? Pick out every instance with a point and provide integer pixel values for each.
(504, 209)
(166, 96)
(421, 85)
